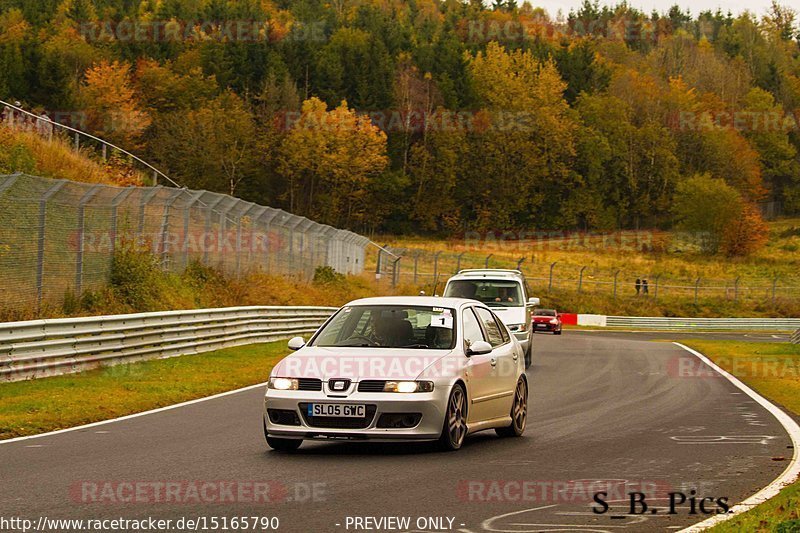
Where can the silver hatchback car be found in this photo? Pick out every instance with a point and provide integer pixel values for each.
(400, 369)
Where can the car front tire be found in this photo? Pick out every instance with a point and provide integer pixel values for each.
(454, 427)
(519, 412)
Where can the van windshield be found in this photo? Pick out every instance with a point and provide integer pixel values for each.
(494, 293)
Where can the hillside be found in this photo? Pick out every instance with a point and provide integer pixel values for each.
(28, 152)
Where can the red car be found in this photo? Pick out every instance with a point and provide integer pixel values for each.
(546, 320)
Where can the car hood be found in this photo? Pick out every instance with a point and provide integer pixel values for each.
(357, 363)
(510, 315)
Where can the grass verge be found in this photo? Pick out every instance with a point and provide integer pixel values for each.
(773, 370)
(37, 406)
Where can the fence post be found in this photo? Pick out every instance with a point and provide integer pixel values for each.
(615, 283)
(550, 284)
(164, 244)
(239, 237)
(416, 263)
(458, 261)
(187, 217)
(118, 199)
(40, 244)
(93, 190)
(655, 291)
(209, 210)
(696, 289)
(736, 289)
(396, 271)
(486, 263)
(580, 279)
(436, 264)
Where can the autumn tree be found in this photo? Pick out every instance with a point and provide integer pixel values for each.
(720, 215)
(329, 159)
(113, 110)
(208, 148)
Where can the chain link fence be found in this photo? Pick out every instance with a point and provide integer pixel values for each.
(424, 268)
(60, 236)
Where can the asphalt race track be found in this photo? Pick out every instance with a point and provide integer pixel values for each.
(604, 406)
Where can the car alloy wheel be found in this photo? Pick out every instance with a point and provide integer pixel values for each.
(519, 412)
(454, 429)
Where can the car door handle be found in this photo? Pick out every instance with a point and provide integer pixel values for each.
(493, 361)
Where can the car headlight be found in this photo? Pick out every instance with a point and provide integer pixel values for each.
(515, 328)
(408, 386)
(283, 383)
(553, 321)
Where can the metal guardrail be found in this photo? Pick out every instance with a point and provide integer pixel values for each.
(796, 337)
(40, 348)
(670, 323)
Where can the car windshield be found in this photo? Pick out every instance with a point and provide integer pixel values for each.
(494, 293)
(389, 326)
(544, 312)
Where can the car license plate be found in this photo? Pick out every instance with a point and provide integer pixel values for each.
(541, 325)
(337, 409)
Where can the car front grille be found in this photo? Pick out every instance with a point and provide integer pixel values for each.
(371, 385)
(309, 384)
(338, 421)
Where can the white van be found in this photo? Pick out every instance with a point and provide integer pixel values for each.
(506, 292)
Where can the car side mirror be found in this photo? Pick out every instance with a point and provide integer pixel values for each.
(295, 343)
(533, 301)
(479, 348)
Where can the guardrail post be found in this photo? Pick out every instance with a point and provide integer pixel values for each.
(615, 283)
(41, 242)
(580, 279)
(486, 263)
(93, 190)
(458, 261)
(696, 289)
(550, 283)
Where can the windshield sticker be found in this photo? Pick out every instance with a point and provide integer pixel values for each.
(442, 321)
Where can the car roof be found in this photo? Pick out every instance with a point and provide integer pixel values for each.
(433, 301)
(488, 273)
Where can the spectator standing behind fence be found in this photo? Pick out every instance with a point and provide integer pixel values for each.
(638, 286)
(43, 126)
(645, 286)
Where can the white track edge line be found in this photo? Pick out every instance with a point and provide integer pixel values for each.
(134, 415)
(789, 475)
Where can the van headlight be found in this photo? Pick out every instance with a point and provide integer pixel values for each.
(283, 383)
(408, 386)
